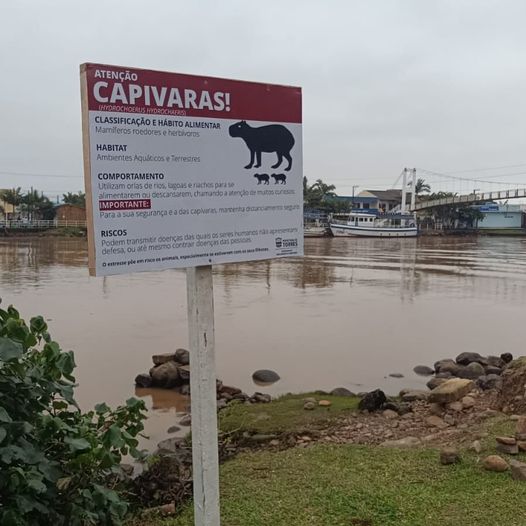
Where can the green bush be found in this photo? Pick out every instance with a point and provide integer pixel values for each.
(58, 465)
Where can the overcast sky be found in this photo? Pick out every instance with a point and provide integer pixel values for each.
(439, 85)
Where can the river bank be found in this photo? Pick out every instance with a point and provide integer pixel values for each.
(384, 467)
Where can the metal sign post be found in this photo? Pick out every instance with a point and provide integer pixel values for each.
(203, 395)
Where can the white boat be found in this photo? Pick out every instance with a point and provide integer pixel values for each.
(372, 224)
(315, 229)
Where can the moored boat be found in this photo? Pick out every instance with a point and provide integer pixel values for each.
(372, 224)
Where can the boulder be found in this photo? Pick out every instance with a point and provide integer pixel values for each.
(186, 421)
(507, 445)
(230, 390)
(518, 470)
(396, 375)
(506, 357)
(449, 455)
(143, 380)
(389, 413)
(423, 370)
(435, 382)
(496, 361)
(445, 374)
(468, 402)
(489, 381)
(495, 463)
(451, 391)
(182, 356)
(455, 406)
(173, 429)
(342, 391)
(166, 375)
(260, 398)
(372, 401)
(405, 442)
(265, 376)
(471, 371)
(309, 406)
(465, 358)
(159, 359)
(446, 366)
(491, 369)
(184, 373)
(520, 431)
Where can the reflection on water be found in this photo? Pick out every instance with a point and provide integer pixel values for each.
(349, 313)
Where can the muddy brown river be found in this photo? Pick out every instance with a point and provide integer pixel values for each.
(347, 314)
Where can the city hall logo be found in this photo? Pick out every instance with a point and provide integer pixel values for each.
(286, 243)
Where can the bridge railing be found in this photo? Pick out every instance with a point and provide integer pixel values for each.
(473, 198)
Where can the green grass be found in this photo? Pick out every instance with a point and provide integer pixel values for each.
(284, 414)
(341, 485)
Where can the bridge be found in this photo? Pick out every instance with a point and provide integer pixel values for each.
(473, 198)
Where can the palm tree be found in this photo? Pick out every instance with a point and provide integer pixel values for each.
(422, 187)
(316, 194)
(12, 196)
(35, 202)
(78, 199)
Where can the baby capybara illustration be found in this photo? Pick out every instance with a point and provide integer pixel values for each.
(262, 178)
(271, 138)
(279, 178)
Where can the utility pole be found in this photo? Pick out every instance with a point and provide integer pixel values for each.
(353, 188)
(404, 190)
(413, 191)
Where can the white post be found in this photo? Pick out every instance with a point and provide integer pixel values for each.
(404, 189)
(413, 191)
(203, 395)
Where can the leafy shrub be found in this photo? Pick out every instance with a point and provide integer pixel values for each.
(58, 465)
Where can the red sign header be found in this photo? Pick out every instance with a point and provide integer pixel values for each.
(142, 91)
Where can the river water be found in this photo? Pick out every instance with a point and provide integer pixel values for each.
(347, 314)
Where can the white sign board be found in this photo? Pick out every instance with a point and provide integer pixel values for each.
(183, 171)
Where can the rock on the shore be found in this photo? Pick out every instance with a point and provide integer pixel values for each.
(396, 375)
(435, 382)
(265, 376)
(143, 380)
(506, 357)
(182, 356)
(468, 402)
(165, 375)
(446, 366)
(471, 371)
(520, 432)
(309, 406)
(423, 370)
(518, 470)
(372, 401)
(342, 391)
(495, 463)
(449, 455)
(465, 358)
(436, 421)
(159, 359)
(490, 381)
(451, 391)
(324, 403)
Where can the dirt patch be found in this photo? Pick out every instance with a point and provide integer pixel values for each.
(511, 398)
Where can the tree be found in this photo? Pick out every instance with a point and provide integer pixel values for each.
(35, 203)
(315, 195)
(12, 196)
(78, 199)
(422, 187)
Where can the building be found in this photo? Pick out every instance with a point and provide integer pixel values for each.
(68, 212)
(500, 217)
(7, 211)
(375, 200)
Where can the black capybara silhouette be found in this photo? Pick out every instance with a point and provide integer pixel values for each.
(271, 138)
(281, 178)
(262, 178)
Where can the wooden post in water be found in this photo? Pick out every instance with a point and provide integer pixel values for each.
(203, 395)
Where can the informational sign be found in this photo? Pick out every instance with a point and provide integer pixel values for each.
(183, 171)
